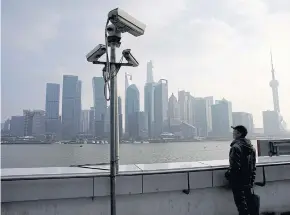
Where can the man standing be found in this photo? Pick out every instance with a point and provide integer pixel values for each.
(242, 171)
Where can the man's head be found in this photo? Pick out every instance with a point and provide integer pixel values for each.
(239, 131)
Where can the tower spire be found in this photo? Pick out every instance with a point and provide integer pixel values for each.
(150, 72)
(272, 66)
(274, 85)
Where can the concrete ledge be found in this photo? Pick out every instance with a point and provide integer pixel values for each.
(29, 190)
(202, 179)
(125, 185)
(209, 201)
(142, 184)
(164, 182)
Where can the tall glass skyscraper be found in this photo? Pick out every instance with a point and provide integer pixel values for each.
(100, 105)
(71, 106)
(160, 106)
(149, 106)
(222, 118)
(52, 124)
(149, 98)
(132, 106)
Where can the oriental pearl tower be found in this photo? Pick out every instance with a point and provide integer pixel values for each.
(274, 84)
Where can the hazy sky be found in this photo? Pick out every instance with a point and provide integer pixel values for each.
(207, 47)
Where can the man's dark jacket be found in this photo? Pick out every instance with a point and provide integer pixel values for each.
(242, 170)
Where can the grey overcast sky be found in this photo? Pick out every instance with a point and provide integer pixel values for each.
(207, 47)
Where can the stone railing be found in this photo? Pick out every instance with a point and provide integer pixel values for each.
(141, 189)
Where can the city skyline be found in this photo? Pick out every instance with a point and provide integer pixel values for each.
(98, 99)
(210, 66)
(97, 88)
(202, 116)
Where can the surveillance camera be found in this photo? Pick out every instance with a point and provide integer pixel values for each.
(96, 53)
(113, 31)
(129, 57)
(126, 23)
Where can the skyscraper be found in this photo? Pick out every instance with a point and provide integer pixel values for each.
(128, 80)
(245, 119)
(185, 107)
(140, 129)
(149, 106)
(182, 105)
(132, 106)
(173, 110)
(85, 122)
(221, 118)
(28, 120)
(53, 123)
(160, 106)
(200, 108)
(210, 102)
(17, 126)
(271, 123)
(78, 107)
(38, 123)
(92, 121)
(150, 78)
(189, 108)
(100, 105)
(70, 106)
(149, 98)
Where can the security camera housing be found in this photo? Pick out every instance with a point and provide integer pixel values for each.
(96, 53)
(126, 23)
(129, 57)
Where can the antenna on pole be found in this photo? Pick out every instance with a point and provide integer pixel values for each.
(272, 66)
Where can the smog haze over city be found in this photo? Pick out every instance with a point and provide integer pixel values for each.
(208, 48)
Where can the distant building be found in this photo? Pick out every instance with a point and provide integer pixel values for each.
(38, 123)
(173, 110)
(71, 106)
(245, 119)
(100, 106)
(28, 120)
(53, 122)
(85, 122)
(5, 127)
(210, 102)
(17, 126)
(138, 125)
(142, 125)
(150, 67)
(149, 106)
(185, 107)
(189, 109)
(221, 118)
(160, 106)
(271, 123)
(201, 110)
(92, 121)
(78, 107)
(132, 106)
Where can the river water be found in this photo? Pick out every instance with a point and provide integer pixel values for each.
(55, 155)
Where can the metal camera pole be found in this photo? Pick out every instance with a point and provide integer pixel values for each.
(113, 85)
(114, 41)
